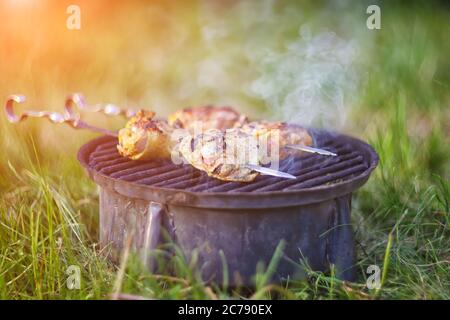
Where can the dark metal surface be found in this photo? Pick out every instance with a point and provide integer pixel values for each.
(245, 222)
(318, 234)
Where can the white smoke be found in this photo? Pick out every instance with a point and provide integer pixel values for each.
(253, 55)
(310, 82)
(266, 58)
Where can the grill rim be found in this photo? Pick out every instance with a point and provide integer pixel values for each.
(227, 200)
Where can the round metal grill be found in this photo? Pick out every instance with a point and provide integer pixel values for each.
(310, 170)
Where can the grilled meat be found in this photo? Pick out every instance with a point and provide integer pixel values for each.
(279, 133)
(221, 154)
(222, 118)
(144, 138)
(205, 118)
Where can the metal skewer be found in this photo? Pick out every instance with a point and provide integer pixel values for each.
(69, 117)
(270, 172)
(72, 118)
(77, 100)
(311, 150)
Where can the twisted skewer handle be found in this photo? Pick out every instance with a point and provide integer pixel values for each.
(76, 100)
(69, 117)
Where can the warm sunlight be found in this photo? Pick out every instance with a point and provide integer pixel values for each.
(232, 150)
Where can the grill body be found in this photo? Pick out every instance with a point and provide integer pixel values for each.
(241, 222)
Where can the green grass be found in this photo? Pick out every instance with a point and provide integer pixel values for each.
(49, 207)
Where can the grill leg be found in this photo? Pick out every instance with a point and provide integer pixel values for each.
(341, 245)
(133, 223)
(152, 233)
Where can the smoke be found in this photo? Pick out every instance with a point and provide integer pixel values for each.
(310, 82)
(309, 78)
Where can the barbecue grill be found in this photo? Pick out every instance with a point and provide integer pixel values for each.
(245, 221)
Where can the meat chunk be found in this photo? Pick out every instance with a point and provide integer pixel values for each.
(206, 118)
(221, 154)
(144, 138)
(278, 135)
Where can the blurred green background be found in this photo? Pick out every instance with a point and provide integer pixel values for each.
(390, 87)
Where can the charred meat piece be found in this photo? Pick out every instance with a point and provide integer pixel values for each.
(278, 135)
(222, 154)
(144, 138)
(222, 118)
(206, 117)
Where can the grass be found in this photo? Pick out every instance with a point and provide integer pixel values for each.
(49, 207)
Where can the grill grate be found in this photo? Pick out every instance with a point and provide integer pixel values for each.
(310, 170)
